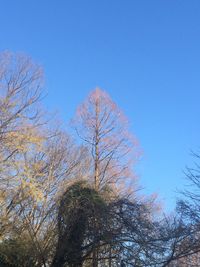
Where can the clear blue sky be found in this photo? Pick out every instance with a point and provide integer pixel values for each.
(144, 53)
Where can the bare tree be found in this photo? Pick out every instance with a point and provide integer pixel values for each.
(20, 91)
(104, 128)
(37, 161)
(188, 206)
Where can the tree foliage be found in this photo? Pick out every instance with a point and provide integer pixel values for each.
(67, 203)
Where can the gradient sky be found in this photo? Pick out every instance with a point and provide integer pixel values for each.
(144, 53)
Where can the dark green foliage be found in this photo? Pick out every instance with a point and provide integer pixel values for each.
(16, 253)
(81, 217)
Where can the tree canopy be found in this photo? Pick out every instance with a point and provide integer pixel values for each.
(73, 201)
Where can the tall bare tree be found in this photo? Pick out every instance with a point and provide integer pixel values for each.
(20, 91)
(37, 161)
(104, 128)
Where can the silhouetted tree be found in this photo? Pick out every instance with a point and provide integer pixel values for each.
(81, 221)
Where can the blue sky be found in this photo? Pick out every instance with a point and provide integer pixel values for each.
(144, 53)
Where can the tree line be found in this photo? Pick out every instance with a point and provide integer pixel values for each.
(73, 201)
